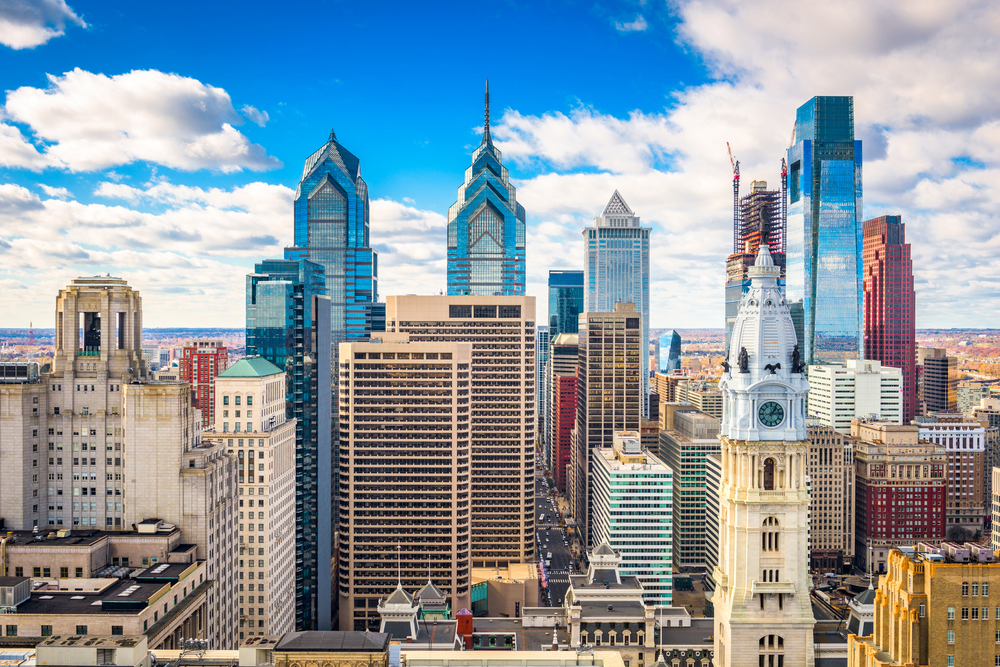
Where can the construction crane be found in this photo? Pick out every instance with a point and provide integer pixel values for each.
(736, 198)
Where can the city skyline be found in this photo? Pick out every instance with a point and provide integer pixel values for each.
(201, 192)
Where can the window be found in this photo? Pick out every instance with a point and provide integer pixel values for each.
(459, 311)
(923, 611)
(951, 661)
(64, 574)
(19, 572)
(975, 613)
(951, 636)
(986, 589)
(249, 402)
(965, 613)
(105, 656)
(951, 613)
(12, 631)
(975, 588)
(965, 588)
(46, 630)
(225, 400)
(117, 630)
(769, 474)
(82, 630)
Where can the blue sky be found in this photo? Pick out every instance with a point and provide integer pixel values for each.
(162, 142)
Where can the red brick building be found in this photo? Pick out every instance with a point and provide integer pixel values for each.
(564, 415)
(890, 302)
(201, 361)
(900, 488)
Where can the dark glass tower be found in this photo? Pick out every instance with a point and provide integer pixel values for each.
(288, 323)
(565, 302)
(331, 229)
(670, 352)
(824, 231)
(486, 227)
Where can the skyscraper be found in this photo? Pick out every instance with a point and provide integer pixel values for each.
(616, 266)
(565, 306)
(824, 231)
(201, 361)
(331, 229)
(760, 215)
(287, 324)
(486, 227)
(890, 303)
(937, 381)
(763, 615)
(670, 352)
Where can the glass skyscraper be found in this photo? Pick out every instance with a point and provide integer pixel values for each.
(331, 229)
(486, 227)
(670, 352)
(616, 266)
(825, 231)
(288, 323)
(565, 306)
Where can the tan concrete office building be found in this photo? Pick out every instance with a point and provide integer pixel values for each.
(964, 440)
(251, 394)
(831, 499)
(502, 415)
(405, 458)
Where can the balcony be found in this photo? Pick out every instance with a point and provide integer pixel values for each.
(772, 587)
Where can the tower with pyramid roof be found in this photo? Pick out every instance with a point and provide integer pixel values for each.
(486, 253)
(762, 611)
(616, 270)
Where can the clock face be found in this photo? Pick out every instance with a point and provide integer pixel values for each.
(771, 414)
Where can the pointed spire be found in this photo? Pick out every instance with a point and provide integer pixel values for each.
(333, 135)
(487, 139)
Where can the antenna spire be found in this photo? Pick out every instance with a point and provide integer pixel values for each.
(486, 126)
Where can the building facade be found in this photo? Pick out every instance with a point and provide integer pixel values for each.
(200, 362)
(251, 395)
(542, 345)
(937, 381)
(670, 352)
(900, 489)
(762, 610)
(501, 330)
(405, 473)
(704, 396)
(967, 502)
(856, 388)
(565, 306)
(616, 270)
(693, 437)
(287, 324)
(713, 485)
(486, 226)
(831, 499)
(609, 394)
(564, 396)
(890, 303)
(823, 260)
(760, 216)
(564, 355)
(633, 513)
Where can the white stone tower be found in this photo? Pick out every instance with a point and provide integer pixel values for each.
(762, 610)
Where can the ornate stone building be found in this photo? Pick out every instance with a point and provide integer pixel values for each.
(762, 610)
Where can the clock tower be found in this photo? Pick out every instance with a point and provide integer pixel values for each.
(763, 617)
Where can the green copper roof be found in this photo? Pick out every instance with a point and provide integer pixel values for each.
(250, 367)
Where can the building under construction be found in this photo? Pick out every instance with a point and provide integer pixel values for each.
(760, 215)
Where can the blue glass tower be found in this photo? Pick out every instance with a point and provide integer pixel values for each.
(565, 302)
(670, 352)
(823, 264)
(331, 229)
(486, 227)
(288, 323)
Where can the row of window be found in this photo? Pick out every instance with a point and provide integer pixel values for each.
(46, 631)
(973, 613)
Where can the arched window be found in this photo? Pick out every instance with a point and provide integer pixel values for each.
(769, 474)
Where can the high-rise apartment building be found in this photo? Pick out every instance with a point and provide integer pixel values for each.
(486, 227)
(562, 413)
(632, 510)
(252, 424)
(995, 508)
(988, 414)
(890, 303)
(900, 488)
(287, 324)
(609, 394)
(713, 485)
(670, 352)
(856, 388)
(763, 614)
(331, 229)
(200, 362)
(683, 449)
(824, 231)
(831, 499)
(501, 330)
(616, 270)
(405, 473)
(760, 216)
(937, 381)
(964, 440)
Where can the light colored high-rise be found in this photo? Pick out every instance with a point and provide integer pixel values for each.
(762, 611)
(609, 386)
(857, 388)
(995, 508)
(964, 440)
(713, 484)
(831, 491)
(541, 374)
(632, 510)
(251, 395)
(704, 396)
(616, 270)
(405, 457)
(937, 381)
(502, 404)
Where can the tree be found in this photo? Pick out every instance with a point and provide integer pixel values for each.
(709, 609)
(958, 534)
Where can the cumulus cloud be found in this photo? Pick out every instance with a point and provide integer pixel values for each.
(85, 122)
(638, 25)
(413, 253)
(58, 193)
(254, 115)
(25, 24)
(925, 77)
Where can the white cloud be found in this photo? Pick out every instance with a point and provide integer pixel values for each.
(412, 247)
(58, 193)
(638, 25)
(925, 77)
(88, 122)
(254, 115)
(25, 24)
